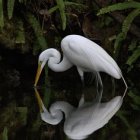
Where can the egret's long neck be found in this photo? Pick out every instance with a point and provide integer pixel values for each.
(61, 106)
(55, 115)
(54, 63)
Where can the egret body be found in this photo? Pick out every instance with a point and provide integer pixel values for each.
(85, 54)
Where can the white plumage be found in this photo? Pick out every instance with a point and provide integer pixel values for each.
(82, 121)
(86, 55)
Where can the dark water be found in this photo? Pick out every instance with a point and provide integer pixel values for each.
(19, 111)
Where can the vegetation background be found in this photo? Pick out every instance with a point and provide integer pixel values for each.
(29, 26)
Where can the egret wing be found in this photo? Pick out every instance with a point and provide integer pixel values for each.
(89, 56)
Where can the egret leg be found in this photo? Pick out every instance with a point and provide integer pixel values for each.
(99, 87)
(83, 83)
(126, 87)
(81, 73)
(82, 100)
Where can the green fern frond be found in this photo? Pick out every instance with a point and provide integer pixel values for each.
(61, 7)
(134, 56)
(128, 20)
(1, 14)
(132, 45)
(53, 9)
(125, 28)
(120, 37)
(119, 6)
(67, 3)
(38, 31)
(5, 134)
(10, 8)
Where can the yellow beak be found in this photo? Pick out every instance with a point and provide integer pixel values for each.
(39, 100)
(39, 70)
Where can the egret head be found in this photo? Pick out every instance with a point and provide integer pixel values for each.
(41, 63)
(52, 56)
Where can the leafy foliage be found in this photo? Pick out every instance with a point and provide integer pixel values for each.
(53, 9)
(119, 6)
(61, 7)
(10, 8)
(126, 23)
(66, 3)
(38, 31)
(125, 28)
(134, 49)
(128, 20)
(5, 134)
(135, 55)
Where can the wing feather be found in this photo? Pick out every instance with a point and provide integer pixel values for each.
(89, 56)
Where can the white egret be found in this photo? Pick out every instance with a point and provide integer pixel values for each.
(82, 121)
(85, 54)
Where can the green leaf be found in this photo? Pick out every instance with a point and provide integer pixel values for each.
(134, 56)
(53, 9)
(38, 32)
(128, 20)
(120, 37)
(61, 6)
(133, 45)
(5, 134)
(10, 8)
(125, 28)
(1, 14)
(119, 6)
(67, 3)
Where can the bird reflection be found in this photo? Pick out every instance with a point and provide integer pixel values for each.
(82, 121)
